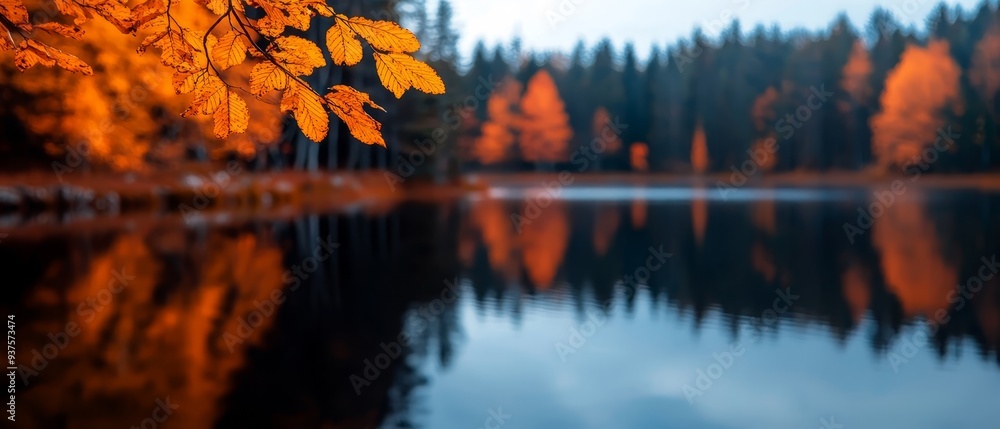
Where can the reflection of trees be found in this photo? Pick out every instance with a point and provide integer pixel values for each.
(357, 301)
(163, 335)
(729, 258)
(160, 336)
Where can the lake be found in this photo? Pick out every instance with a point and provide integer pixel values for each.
(603, 307)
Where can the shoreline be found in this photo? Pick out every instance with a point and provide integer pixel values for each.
(35, 202)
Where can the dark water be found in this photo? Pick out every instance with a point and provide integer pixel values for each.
(610, 308)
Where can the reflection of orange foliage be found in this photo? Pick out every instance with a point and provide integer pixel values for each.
(467, 242)
(855, 74)
(543, 244)
(916, 93)
(764, 217)
(638, 213)
(498, 132)
(765, 157)
(492, 219)
(603, 128)
(699, 150)
(639, 155)
(545, 131)
(699, 215)
(153, 340)
(856, 290)
(763, 261)
(605, 228)
(911, 260)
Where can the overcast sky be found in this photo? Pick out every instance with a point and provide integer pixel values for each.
(558, 24)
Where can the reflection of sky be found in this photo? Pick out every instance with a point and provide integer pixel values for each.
(667, 193)
(631, 372)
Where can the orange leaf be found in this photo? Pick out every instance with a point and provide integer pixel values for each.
(73, 9)
(114, 12)
(348, 104)
(265, 77)
(73, 32)
(27, 55)
(383, 35)
(185, 82)
(229, 51)
(15, 12)
(299, 56)
(219, 7)
(279, 14)
(399, 72)
(232, 115)
(70, 62)
(147, 11)
(6, 43)
(362, 97)
(31, 52)
(344, 46)
(211, 91)
(307, 109)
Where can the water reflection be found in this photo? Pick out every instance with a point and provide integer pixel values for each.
(242, 326)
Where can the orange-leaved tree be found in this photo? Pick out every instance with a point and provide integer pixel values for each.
(123, 117)
(600, 127)
(918, 94)
(699, 150)
(498, 131)
(607, 142)
(545, 131)
(244, 32)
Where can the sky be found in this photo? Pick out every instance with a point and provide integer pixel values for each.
(558, 24)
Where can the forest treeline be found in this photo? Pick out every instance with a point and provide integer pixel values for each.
(839, 99)
(844, 98)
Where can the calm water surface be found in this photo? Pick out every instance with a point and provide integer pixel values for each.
(608, 308)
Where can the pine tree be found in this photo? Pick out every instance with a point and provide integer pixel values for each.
(444, 40)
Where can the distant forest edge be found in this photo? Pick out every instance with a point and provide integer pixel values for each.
(886, 97)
